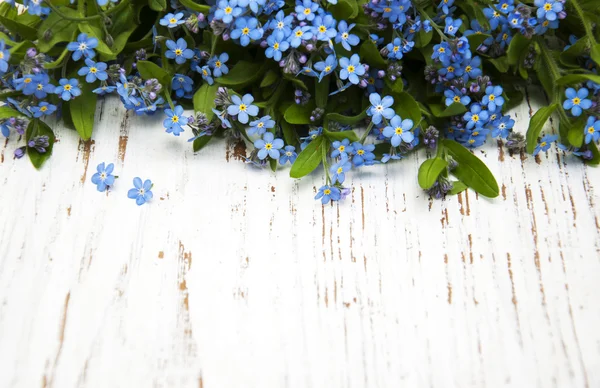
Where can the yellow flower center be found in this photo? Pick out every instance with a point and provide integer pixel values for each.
(492, 97)
(371, 81)
(93, 70)
(547, 6)
(360, 152)
(468, 69)
(471, 141)
(307, 11)
(260, 125)
(441, 50)
(243, 107)
(322, 29)
(345, 35)
(504, 6)
(268, 146)
(218, 64)
(543, 144)
(172, 20)
(340, 170)
(299, 33)
(228, 10)
(40, 87)
(276, 46)
(450, 69)
(398, 131)
(27, 80)
(350, 69)
(327, 68)
(504, 36)
(396, 48)
(545, 23)
(327, 191)
(205, 72)
(44, 108)
(175, 119)
(576, 101)
(387, 9)
(178, 51)
(280, 25)
(591, 130)
(82, 46)
(1, 55)
(475, 118)
(341, 148)
(67, 87)
(496, 14)
(456, 99)
(245, 31)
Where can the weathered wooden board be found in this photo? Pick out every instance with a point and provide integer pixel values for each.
(235, 277)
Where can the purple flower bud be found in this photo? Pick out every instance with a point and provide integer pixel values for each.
(303, 59)
(201, 17)
(31, 52)
(392, 77)
(380, 74)
(225, 36)
(263, 43)
(310, 47)
(152, 95)
(366, 66)
(19, 152)
(282, 63)
(363, 83)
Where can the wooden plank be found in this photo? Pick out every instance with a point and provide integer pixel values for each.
(235, 277)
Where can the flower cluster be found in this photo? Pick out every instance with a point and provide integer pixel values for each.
(295, 79)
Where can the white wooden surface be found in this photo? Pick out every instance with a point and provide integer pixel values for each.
(235, 277)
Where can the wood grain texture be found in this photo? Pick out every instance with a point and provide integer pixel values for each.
(235, 277)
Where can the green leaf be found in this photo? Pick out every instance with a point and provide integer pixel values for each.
(93, 29)
(83, 110)
(340, 135)
(346, 120)
(35, 128)
(423, 38)
(595, 154)
(578, 78)
(58, 62)
(457, 187)
(158, 5)
(595, 53)
(406, 106)
(345, 9)
(517, 49)
(149, 70)
(17, 28)
(371, 54)
(270, 78)
(322, 92)
(513, 99)
(574, 130)
(273, 164)
(475, 40)
(243, 74)
(200, 142)
(18, 52)
(471, 170)
(536, 124)
(570, 55)
(289, 133)
(309, 158)
(7, 112)
(500, 63)
(204, 100)
(430, 170)
(455, 109)
(195, 6)
(396, 86)
(299, 114)
(58, 29)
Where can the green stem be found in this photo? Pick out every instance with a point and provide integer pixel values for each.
(325, 148)
(117, 7)
(433, 24)
(364, 136)
(586, 26)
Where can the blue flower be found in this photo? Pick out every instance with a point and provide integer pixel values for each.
(179, 51)
(476, 117)
(141, 191)
(227, 10)
(451, 71)
(93, 71)
(43, 87)
(83, 47)
(338, 170)
(276, 46)
(351, 69)
(281, 25)
(399, 131)
(218, 64)
(545, 143)
(246, 29)
(124, 87)
(345, 37)
(472, 68)
(27, 84)
(182, 85)
(363, 154)
(175, 119)
(592, 130)
(4, 57)
(299, 34)
(306, 9)
(43, 109)
(104, 89)
(506, 6)
(261, 125)
(548, 9)
(172, 20)
(394, 49)
(34, 7)
(380, 108)
(495, 18)
(341, 148)
(455, 95)
(68, 88)
(576, 101)
(493, 98)
(328, 193)
(268, 146)
(444, 6)
(4, 129)
(503, 126)
(324, 28)
(206, 74)
(288, 154)
(452, 26)
(327, 66)
(242, 107)
(103, 177)
(441, 51)
(101, 3)
(254, 4)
